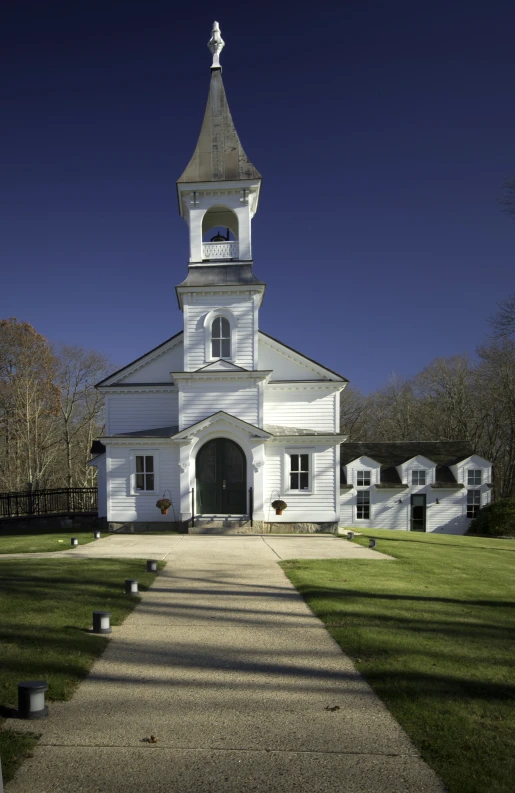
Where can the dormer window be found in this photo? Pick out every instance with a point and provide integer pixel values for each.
(418, 478)
(221, 338)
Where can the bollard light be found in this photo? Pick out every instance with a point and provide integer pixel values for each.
(96, 535)
(31, 699)
(75, 542)
(131, 586)
(151, 566)
(350, 535)
(102, 622)
(372, 543)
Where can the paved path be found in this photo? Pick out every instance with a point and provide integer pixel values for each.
(227, 667)
(168, 546)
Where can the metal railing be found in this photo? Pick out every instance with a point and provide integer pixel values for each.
(69, 501)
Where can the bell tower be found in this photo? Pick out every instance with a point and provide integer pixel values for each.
(219, 188)
(218, 196)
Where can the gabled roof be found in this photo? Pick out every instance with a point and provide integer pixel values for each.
(148, 354)
(220, 416)
(391, 455)
(219, 155)
(282, 430)
(221, 365)
(301, 356)
(396, 453)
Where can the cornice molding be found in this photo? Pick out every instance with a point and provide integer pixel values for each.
(305, 385)
(137, 389)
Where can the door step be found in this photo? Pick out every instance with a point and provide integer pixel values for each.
(221, 525)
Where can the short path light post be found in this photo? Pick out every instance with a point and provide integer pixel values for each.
(350, 535)
(74, 542)
(102, 622)
(151, 566)
(31, 699)
(96, 535)
(372, 543)
(131, 586)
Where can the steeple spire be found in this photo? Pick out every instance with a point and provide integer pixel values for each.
(219, 155)
(216, 45)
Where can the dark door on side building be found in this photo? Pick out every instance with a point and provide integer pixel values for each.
(221, 474)
(418, 512)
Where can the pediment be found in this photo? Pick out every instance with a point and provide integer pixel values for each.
(221, 366)
(288, 364)
(220, 420)
(153, 367)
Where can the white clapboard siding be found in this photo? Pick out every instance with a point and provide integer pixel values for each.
(141, 411)
(285, 365)
(157, 370)
(122, 505)
(243, 310)
(318, 506)
(311, 409)
(447, 517)
(200, 400)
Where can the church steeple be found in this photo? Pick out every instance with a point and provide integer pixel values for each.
(228, 207)
(219, 155)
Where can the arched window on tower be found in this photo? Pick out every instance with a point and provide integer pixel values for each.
(221, 338)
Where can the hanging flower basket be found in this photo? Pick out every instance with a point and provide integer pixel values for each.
(164, 505)
(279, 506)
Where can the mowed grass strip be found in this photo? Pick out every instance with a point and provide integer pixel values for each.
(433, 632)
(26, 540)
(46, 608)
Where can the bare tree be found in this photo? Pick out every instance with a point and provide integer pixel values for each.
(81, 408)
(354, 414)
(28, 405)
(503, 322)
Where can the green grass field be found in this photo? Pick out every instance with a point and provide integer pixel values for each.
(14, 540)
(433, 632)
(46, 610)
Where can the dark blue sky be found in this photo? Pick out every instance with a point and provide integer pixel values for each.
(383, 131)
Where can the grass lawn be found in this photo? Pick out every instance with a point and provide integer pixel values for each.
(433, 632)
(46, 608)
(18, 540)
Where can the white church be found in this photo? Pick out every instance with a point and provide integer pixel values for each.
(234, 429)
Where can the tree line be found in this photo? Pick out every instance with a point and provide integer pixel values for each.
(49, 410)
(456, 398)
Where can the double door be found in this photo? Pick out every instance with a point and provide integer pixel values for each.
(221, 474)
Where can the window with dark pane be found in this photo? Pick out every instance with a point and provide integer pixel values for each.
(363, 478)
(299, 471)
(418, 477)
(221, 338)
(474, 477)
(363, 505)
(473, 503)
(144, 472)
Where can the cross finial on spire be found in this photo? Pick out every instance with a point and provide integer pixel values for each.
(216, 45)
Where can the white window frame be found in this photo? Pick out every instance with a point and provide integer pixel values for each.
(287, 471)
(144, 453)
(208, 326)
(418, 471)
(362, 493)
(364, 471)
(477, 491)
(474, 471)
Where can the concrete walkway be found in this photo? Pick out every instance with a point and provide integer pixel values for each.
(240, 684)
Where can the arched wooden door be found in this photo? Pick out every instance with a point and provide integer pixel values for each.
(221, 474)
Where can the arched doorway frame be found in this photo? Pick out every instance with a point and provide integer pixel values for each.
(239, 490)
(240, 438)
